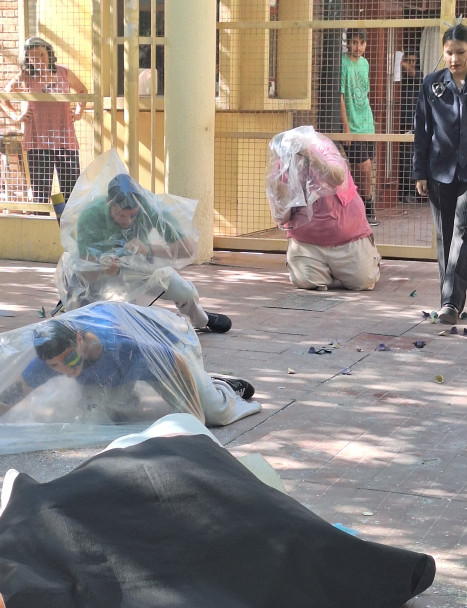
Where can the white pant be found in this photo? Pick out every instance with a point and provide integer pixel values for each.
(186, 298)
(354, 265)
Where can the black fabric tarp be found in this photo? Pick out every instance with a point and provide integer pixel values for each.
(178, 522)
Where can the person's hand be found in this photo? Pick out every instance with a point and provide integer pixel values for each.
(136, 246)
(422, 187)
(110, 263)
(77, 113)
(346, 129)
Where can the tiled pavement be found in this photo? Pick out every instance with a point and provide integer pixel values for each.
(382, 449)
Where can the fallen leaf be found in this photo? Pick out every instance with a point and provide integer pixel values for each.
(442, 333)
(419, 343)
(413, 294)
(359, 349)
(439, 379)
(290, 371)
(41, 313)
(346, 371)
(367, 513)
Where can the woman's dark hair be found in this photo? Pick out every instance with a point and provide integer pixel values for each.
(458, 32)
(33, 43)
(52, 338)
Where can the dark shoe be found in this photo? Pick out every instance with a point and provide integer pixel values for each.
(58, 308)
(242, 387)
(448, 314)
(218, 323)
(372, 221)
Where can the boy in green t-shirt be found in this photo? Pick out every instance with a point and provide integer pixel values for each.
(357, 117)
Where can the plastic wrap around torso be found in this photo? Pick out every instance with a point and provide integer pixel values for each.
(139, 345)
(297, 174)
(91, 240)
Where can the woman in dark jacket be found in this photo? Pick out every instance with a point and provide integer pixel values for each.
(440, 167)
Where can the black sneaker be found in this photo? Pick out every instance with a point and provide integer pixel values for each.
(242, 387)
(218, 323)
(372, 221)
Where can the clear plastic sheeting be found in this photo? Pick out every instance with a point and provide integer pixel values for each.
(119, 365)
(303, 166)
(121, 242)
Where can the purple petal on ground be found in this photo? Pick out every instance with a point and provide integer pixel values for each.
(382, 346)
(346, 371)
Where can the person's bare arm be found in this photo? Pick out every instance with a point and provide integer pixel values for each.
(77, 86)
(13, 394)
(15, 115)
(344, 119)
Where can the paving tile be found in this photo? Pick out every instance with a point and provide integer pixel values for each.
(386, 439)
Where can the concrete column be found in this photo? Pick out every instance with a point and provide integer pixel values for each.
(190, 69)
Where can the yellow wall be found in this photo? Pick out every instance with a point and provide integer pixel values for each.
(32, 238)
(144, 146)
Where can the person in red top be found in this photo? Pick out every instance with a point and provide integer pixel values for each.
(313, 197)
(49, 133)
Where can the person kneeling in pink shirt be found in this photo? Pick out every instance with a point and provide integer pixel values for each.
(313, 197)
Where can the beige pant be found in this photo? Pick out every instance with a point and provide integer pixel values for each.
(354, 265)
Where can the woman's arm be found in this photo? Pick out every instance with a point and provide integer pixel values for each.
(15, 86)
(79, 87)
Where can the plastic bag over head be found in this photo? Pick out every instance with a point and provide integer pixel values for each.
(93, 374)
(303, 166)
(117, 235)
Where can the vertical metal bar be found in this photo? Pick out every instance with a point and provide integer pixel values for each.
(153, 93)
(131, 97)
(97, 75)
(113, 50)
(388, 171)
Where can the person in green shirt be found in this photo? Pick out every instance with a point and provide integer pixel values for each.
(357, 117)
(125, 243)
